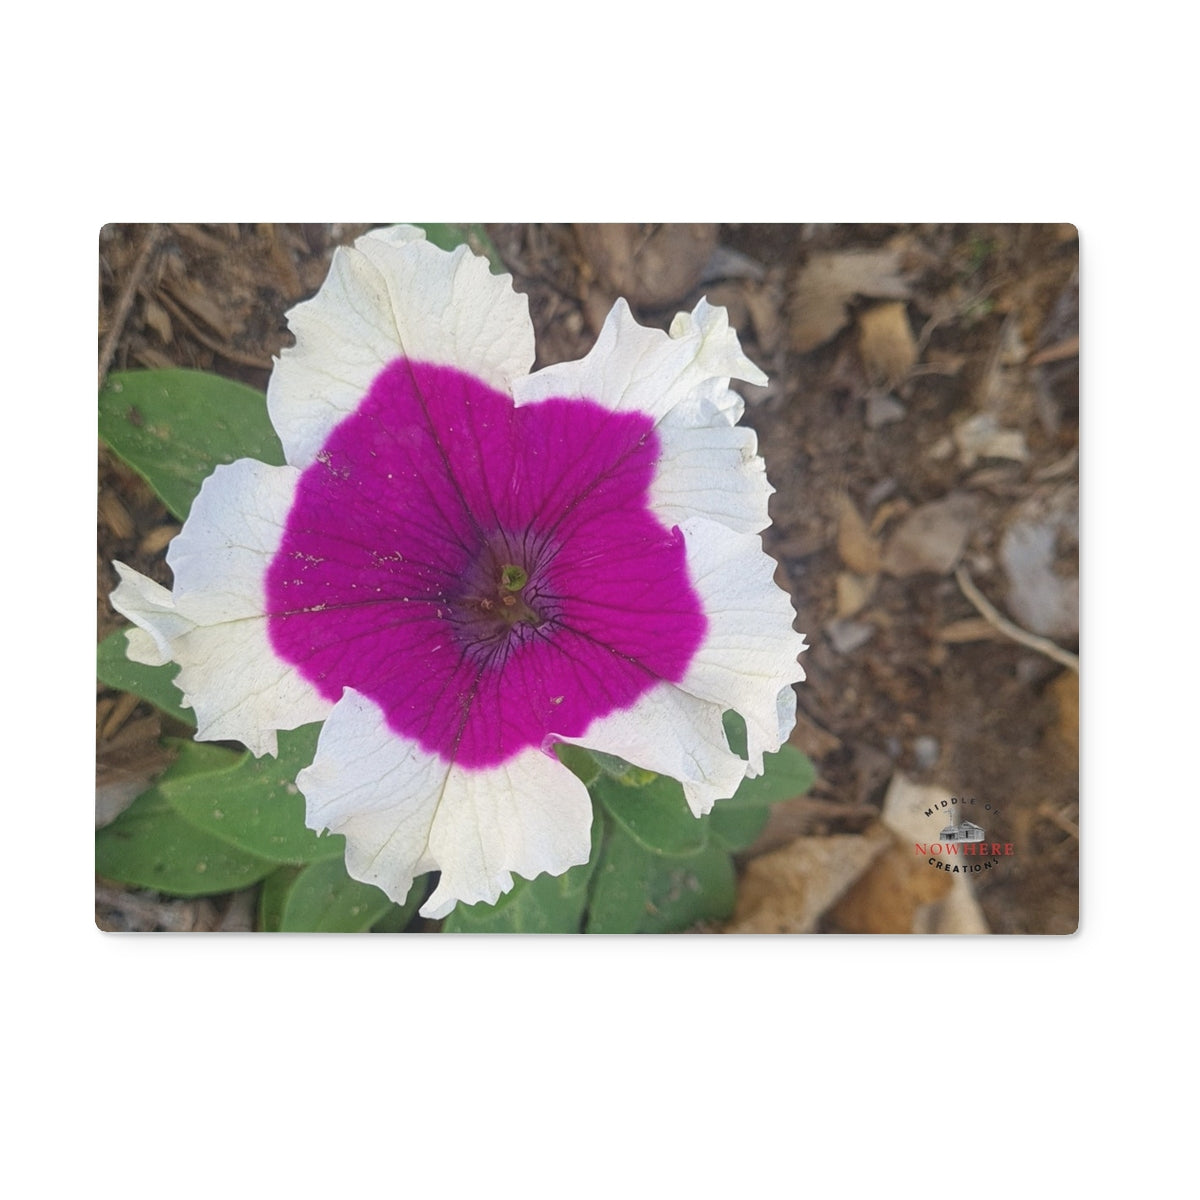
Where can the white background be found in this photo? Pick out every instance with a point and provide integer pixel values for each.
(184, 1066)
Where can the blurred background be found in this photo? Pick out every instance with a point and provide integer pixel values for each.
(920, 428)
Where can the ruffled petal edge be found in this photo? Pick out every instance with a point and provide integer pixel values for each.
(633, 368)
(393, 295)
(213, 624)
(749, 657)
(404, 811)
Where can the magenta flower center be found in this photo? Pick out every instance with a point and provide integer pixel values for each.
(491, 576)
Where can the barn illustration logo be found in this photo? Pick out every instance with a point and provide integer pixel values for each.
(963, 847)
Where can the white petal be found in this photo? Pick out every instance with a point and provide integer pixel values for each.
(378, 789)
(214, 623)
(632, 368)
(527, 816)
(140, 647)
(720, 352)
(672, 732)
(748, 658)
(785, 711)
(710, 468)
(240, 689)
(392, 295)
(220, 557)
(395, 235)
(152, 610)
(404, 811)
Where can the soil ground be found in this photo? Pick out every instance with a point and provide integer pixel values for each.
(920, 427)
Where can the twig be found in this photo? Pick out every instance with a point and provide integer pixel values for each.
(1058, 819)
(225, 351)
(993, 617)
(1056, 353)
(141, 265)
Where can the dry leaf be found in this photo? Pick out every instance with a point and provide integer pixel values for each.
(117, 714)
(812, 739)
(650, 265)
(959, 912)
(201, 306)
(766, 307)
(970, 629)
(887, 897)
(789, 889)
(115, 515)
(888, 511)
(120, 911)
(157, 539)
(853, 592)
(1065, 730)
(932, 537)
(856, 546)
(905, 805)
(934, 901)
(159, 320)
(886, 343)
(808, 816)
(155, 360)
(828, 283)
(127, 762)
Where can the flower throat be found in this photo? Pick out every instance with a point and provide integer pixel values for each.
(505, 604)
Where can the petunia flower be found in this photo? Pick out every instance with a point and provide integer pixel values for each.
(463, 564)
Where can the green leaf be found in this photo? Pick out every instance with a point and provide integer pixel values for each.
(622, 771)
(447, 237)
(150, 845)
(254, 804)
(785, 774)
(398, 917)
(618, 899)
(579, 762)
(636, 891)
(324, 899)
(655, 815)
(320, 904)
(736, 828)
(735, 732)
(683, 891)
(547, 904)
(174, 427)
(272, 896)
(155, 684)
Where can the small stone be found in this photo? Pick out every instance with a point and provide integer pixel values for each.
(931, 538)
(981, 437)
(1039, 598)
(847, 636)
(883, 410)
(925, 751)
(878, 494)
